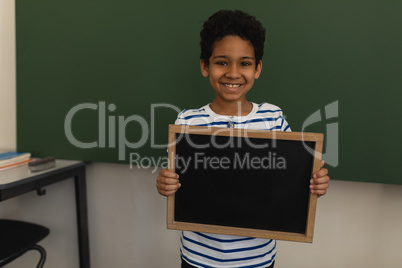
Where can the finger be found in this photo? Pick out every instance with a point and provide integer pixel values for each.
(321, 173)
(167, 190)
(167, 173)
(319, 180)
(321, 186)
(319, 193)
(167, 187)
(166, 193)
(322, 163)
(167, 180)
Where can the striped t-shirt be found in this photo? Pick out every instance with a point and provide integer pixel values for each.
(215, 250)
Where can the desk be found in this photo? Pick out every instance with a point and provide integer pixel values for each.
(17, 181)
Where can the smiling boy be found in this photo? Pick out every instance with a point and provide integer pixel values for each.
(232, 46)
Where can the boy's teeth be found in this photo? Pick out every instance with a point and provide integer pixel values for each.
(232, 85)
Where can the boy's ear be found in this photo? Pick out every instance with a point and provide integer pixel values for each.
(204, 68)
(258, 70)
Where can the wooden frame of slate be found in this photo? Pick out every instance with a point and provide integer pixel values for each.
(242, 182)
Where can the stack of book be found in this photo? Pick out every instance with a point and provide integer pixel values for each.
(13, 159)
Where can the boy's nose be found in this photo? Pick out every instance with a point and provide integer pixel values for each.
(233, 72)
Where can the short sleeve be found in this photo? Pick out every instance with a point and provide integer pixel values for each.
(285, 125)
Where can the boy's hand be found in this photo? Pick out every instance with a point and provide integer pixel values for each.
(319, 182)
(167, 182)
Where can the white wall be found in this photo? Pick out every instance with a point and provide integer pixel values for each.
(7, 75)
(357, 225)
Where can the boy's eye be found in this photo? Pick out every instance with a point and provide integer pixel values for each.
(221, 63)
(245, 63)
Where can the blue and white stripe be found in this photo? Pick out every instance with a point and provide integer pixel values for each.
(223, 251)
(214, 250)
(264, 116)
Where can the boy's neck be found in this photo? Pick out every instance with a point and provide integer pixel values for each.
(238, 108)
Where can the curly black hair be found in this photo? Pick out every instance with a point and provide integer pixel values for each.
(231, 22)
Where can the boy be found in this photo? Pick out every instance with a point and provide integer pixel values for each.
(232, 46)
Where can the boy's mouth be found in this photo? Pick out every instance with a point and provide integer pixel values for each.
(232, 85)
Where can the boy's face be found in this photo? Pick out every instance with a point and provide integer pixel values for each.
(232, 69)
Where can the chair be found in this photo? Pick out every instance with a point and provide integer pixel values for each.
(17, 237)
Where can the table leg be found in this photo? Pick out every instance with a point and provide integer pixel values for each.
(82, 218)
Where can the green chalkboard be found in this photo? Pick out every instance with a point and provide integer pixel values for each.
(101, 80)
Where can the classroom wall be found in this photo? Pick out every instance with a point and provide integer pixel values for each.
(357, 225)
(7, 75)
